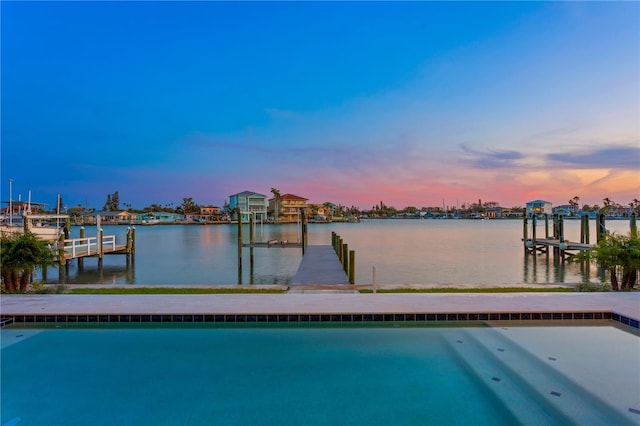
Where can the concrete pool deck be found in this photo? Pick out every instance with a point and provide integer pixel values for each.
(624, 304)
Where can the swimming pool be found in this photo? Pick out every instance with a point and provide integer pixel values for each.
(392, 375)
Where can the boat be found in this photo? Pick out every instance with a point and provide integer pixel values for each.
(42, 226)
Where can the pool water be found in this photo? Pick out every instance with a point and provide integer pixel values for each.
(290, 376)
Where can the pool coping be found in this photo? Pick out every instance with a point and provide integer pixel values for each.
(318, 307)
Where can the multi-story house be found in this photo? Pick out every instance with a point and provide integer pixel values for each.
(326, 211)
(207, 214)
(563, 210)
(494, 212)
(287, 207)
(249, 201)
(538, 208)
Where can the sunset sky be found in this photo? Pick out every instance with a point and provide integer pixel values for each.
(412, 103)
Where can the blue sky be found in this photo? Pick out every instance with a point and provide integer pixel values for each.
(412, 103)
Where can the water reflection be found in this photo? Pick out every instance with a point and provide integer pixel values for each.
(546, 268)
(122, 272)
(442, 252)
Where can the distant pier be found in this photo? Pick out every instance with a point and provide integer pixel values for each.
(554, 237)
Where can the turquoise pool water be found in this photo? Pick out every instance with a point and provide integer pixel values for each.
(288, 376)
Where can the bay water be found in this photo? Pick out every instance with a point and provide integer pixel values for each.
(435, 252)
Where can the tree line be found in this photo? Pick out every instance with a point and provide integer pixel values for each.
(190, 206)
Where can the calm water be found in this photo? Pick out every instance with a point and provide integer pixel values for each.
(445, 252)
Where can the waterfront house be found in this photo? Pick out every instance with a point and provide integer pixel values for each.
(494, 212)
(288, 207)
(207, 214)
(563, 210)
(249, 201)
(538, 208)
(512, 213)
(161, 217)
(620, 212)
(109, 217)
(325, 211)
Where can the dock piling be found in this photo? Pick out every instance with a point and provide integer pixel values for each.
(251, 241)
(352, 267)
(546, 225)
(601, 230)
(345, 255)
(100, 247)
(239, 214)
(80, 259)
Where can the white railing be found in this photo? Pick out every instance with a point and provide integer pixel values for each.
(109, 240)
(88, 245)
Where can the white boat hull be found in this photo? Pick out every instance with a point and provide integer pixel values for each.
(44, 233)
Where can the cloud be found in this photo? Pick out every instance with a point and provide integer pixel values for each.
(611, 157)
(492, 159)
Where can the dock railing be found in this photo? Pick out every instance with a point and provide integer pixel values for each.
(87, 246)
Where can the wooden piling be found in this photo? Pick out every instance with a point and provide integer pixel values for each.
(352, 267)
(133, 243)
(560, 228)
(80, 259)
(584, 229)
(525, 234)
(239, 214)
(67, 228)
(303, 225)
(633, 227)
(62, 259)
(100, 247)
(546, 225)
(61, 256)
(251, 241)
(345, 257)
(534, 223)
(601, 230)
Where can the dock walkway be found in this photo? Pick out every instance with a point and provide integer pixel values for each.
(320, 265)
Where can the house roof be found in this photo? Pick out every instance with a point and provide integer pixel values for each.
(539, 201)
(290, 197)
(247, 193)
(109, 213)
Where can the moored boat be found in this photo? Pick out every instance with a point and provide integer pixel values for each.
(42, 226)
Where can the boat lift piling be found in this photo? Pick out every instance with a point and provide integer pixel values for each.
(301, 243)
(561, 247)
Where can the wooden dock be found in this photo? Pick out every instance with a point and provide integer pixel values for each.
(320, 265)
(75, 248)
(568, 245)
(67, 249)
(554, 238)
(565, 249)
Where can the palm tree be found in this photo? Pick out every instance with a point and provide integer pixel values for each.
(276, 195)
(20, 257)
(608, 204)
(574, 203)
